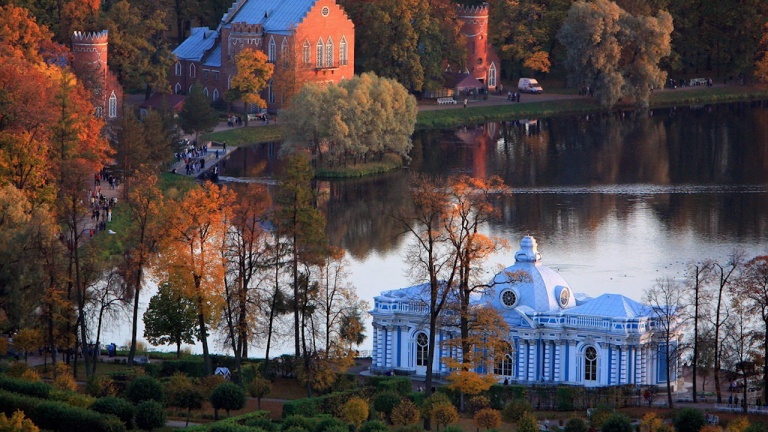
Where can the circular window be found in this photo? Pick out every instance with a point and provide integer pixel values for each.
(565, 295)
(590, 354)
(509, 298)
(421, 339)
(325, 11)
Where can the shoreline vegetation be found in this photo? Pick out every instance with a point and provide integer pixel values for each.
(446, 118)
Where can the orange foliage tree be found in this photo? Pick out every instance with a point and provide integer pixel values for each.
(761, 67)
(191, 256)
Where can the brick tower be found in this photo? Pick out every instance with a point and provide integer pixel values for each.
(89, 61)
(482, 61)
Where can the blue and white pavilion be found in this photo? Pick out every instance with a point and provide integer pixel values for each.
(556, 336)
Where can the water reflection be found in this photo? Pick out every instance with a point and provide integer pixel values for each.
(694, 178)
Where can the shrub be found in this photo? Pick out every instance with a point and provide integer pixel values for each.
(565, 397)
(527, 423)
(17, 385)
(411, 428)
(229, 427)
(31, 375)
(576, 425)
(118, 407)
(59, 416)
(296, 421)
(227, 396)
(600, 415)
(617, 423)
(477, 403)
(65, 382)
(144, 388)
(515, 409)
(386, 401)
(191, 367)
(17, 369)
(739, 424)
(261, 423)
(400, 385)
(453, 428)
(149, 415)
(330, 423)
(355, 411)
(258, 388)
(431, 402)
(72, 398)
(17, 423)
(374, 426)
(499, 395)
(101, 386)
(689, 420)
(405, 413)
(294, 429)
(757, 427)
(488, 418)
(11, 402)
(445, 414)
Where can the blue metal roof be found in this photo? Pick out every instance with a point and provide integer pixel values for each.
(273, 15)
(612, 306)
(214, 58)
(200, 41)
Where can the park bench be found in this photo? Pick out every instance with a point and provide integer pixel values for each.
(446, 101)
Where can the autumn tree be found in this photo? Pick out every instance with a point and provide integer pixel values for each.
(21, 36)
(247, 254)
(615, 52)
(431, 258)
(520, 31)
(170, 318)
(17, 423)
(666, 300)
(359, 119)
(253, 74)
(741, 354)
(752, 290)
(302, 226)
(484, 346)
(723, 276)
(192, 256)
(197, 115)
(27, 340)
(140, 239)
(488, 418)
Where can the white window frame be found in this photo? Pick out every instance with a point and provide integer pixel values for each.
(320, 53)
(307, 52)
(192, 70)
(112, 105)
(590, 365)
(177, 69)
(343, 52)
(492, 75)
(272, 50)
(422, 351)
(177, 88)
(215, 94)
(329, 53)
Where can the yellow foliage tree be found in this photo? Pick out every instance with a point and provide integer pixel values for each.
(191, 256)
(650, 423)
(488, 418)
(739, 424)
(253, 75)
(27, 340)
(444, 414)
(355, 411)
(17, 423)
(538, 61)
(405, 413)
(710, 428)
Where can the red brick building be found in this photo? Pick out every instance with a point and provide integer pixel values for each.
(89, 62)
(482, 61)
(307, 40)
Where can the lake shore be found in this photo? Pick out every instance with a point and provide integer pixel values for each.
(497, 108)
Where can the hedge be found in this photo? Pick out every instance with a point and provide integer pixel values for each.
(30, 388)
(119, 407)
(58, 416)
(311, 407)
(11, 402)
(401, 385)
(190, 367)
(235, 420)
(499, 395)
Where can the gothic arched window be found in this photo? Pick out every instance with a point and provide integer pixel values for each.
(320, 51)
(112, 105)
(329, 53)
(272, 52)
(492, 75)
(178, 69)
(307, 53)
(422, 343)
(590, 364)
(343, 51)
(192, 71)
(215, 94)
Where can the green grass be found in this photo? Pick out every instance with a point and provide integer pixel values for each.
(245, 135)
(388, 163)
(704, 95)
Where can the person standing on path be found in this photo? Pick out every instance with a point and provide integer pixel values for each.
(465, 102)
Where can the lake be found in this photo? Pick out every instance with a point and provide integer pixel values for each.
(616, 200)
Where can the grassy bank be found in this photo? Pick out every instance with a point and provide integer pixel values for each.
(479, 114)
(388, 163)
(244, 135)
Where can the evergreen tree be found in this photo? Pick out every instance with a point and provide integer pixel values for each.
(170, 318)
(197, 114)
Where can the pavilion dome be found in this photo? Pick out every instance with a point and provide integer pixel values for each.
(529, 283)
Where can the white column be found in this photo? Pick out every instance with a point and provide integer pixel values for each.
(559, 361)
(532, 355)
(375, 354)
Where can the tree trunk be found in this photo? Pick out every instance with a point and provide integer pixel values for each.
(203, 331)
(135, 322)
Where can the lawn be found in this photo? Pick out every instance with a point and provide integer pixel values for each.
(245, 135)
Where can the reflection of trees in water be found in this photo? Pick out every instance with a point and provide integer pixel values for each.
(359, 213)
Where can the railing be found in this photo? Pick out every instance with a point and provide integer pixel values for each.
(446, 101)
(751, 409)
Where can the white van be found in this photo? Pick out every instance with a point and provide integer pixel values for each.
(529, 85)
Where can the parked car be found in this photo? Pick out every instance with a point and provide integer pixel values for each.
(529, 85)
